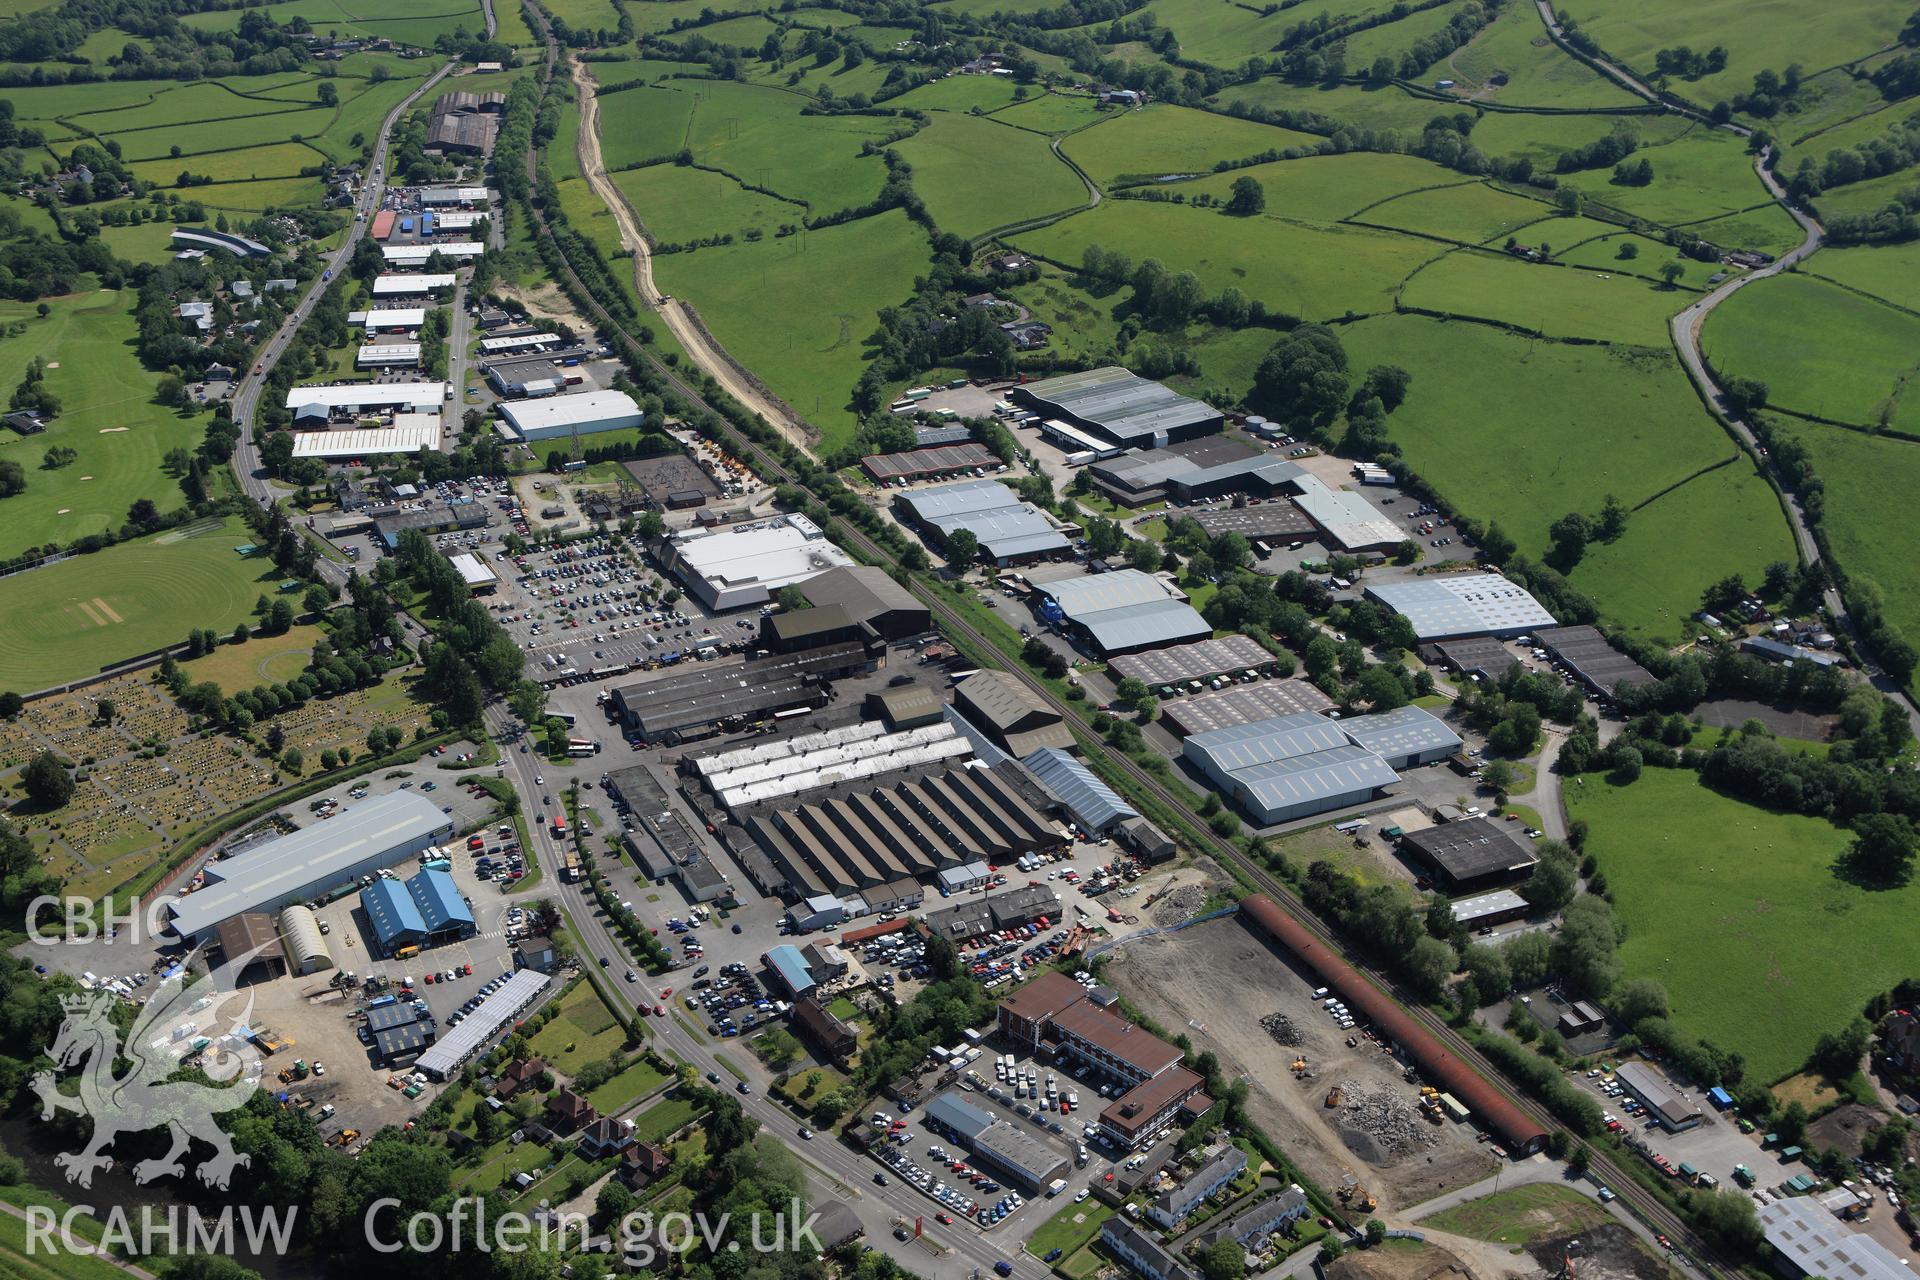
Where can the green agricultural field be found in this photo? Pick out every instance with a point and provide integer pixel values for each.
(1724, 522)
(659, 15)
(1706, 174)
(1889, 272)
(360, 115)
(72, 618)
(807, 78)
(182, 103)
(1054, 113)
(155, 145)
(678, 204)
(798, 311)
(643, 124)
(585, 15)
(1161, 140)
(1317, 272)
(255, 197)
(1220, 32)
(282, 160)
(585, 211)
(1382, 107)
(975, 175)
(958, 92)
(1737, 912)
(1602, 253)
(1767, 229)
(748, 32)
(1867, 477)
(107, 416)
(424, 20)
(1768, 35)
(1329, 188)
(1560, 302)
(758, 135)
(1538, 74)
(1570, 425)
(1866, 197)
(1542, 138)
(1473, 213)
(1821, 349)
(1394, 38)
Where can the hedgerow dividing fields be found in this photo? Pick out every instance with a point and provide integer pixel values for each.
(953, 156)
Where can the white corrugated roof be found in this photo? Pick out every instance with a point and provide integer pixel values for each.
(400, 286)
(566, 411)
(413, 395)
(421, 252)
(372, 440)
(394, 318)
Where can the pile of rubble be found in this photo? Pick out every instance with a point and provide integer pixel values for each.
(1182, 904)
(1281, 1028)
(1393, 1122)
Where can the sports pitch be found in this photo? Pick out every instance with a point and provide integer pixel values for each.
(70, 619)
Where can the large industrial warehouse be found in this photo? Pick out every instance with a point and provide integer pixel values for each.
(420, 431)
(1009, 530)
(367, 836)
(690, 703)
(1202, 660)
(363, 397)
(1121, 612)
(481, 1026)
(841, 844)
(1291, 767)
(584, 412)
(1470, 855)
(1405, 737)
(1594, 663)
(733, 567)
(1118, 408)
(1243, 704)
(1450, 606)
(1018, 720)
(869, 595)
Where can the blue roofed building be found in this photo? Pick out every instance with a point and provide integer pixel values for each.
(1092, 802)
(791, 968)
(394, 915)
(444, 912)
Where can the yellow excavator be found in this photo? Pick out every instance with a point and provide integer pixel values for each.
(1333, 1096)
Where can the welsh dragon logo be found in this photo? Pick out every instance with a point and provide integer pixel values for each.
(145, 1096)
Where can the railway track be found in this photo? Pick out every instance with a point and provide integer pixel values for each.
(1644, 1204)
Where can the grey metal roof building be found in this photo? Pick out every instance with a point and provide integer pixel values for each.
(1481, 656)
(940, 460)
(960, 1118)
(688, 704)
(1453, 605)
(1489, 908)
(365, 837)
(1200, 660)
(1263, 741)
(1092, 802)
(1243, 704)
(1289, 767)
(1271, 520)
(1122, 612)
(1008, 529)
(1594, 662)
(395, 1045)
(1476, 853)
(842, 843)
(871, 596)
(1346, 520)
(1404, 737)
(1301, 786)
(1807, 1240)
(1140, 476)
(1118, 406)
(1667, 1103)
(1014, 716)
(484, 1023)
(1016, 1156)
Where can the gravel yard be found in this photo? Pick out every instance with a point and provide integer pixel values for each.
(1228, 990)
